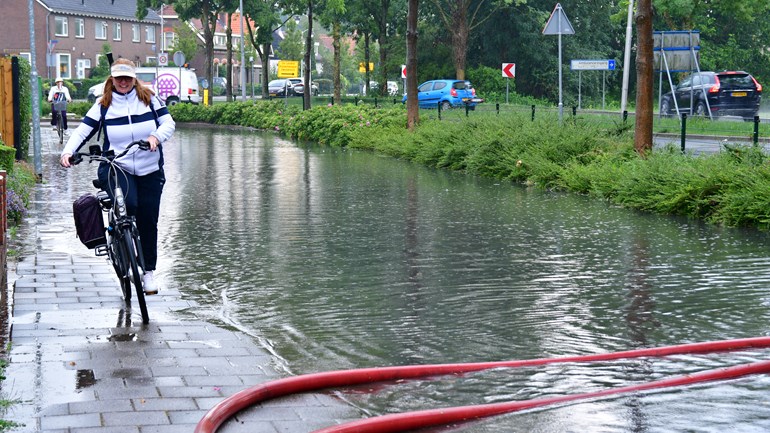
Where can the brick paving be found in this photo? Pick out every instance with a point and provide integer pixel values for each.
(80, 361)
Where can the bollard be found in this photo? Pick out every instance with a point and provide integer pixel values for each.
(355, 101)
(394, 101)
(467, 109)
(439, 110)
(684, 129)
(625, 115)
(331, 100)
(574, 111)
(533, 113)
(497, 108)
(756, 130)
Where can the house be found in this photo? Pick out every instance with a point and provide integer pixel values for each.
(70, 34)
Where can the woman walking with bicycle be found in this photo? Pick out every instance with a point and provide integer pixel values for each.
(129, 111)
(58, 93)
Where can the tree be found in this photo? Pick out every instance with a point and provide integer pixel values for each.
(644, 78)
(291, 47)
(412, 107)
(207, 11)
(186, 41)
(331, 15)
(460, 18)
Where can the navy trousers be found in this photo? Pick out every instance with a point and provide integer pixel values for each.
(142, 194)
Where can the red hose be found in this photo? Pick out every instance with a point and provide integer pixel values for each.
(341, 378)
(429, 418)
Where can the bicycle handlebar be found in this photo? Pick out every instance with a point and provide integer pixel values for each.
(78, 157)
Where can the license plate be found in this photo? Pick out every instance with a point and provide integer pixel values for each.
(273, 94)
(738, 94)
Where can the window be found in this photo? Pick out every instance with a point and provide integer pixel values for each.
(80, 28)
(220, 41)
(63, 64)
(151, 60)
(136, 33)
(26, 56)
(116, 31)
(150, 36)
(168, 40)
(99, 56)
(101, 30)
(62, 26)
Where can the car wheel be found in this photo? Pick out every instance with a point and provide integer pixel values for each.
(700, 109)
(446, 106)
(665, 108)
(171, 101)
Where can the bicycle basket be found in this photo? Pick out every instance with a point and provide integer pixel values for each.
(60, 106)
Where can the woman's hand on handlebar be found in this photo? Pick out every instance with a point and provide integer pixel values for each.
(65, 160)
(154, 142)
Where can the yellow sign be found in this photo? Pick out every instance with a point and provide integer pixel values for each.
(361, 67)
(288, 68)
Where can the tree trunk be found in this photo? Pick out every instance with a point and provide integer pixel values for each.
(367, 77)
(265, 56)
(644, 78)
(336, 36)
(308, 50)
(228, 86)
(412, 108)
(209, 22)
(383, 40)
(460, 41)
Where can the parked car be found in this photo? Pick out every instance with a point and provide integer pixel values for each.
(299, 89)
(373, 88)
(172, 85)
(283, 87)
(447, 93)
(728, 93)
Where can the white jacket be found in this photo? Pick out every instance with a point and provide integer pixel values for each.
(127, 119)
(55, 89)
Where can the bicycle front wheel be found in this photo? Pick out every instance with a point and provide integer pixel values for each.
(136, 276)
(60, 127)
(117, 255)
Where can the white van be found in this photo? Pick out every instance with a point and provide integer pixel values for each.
(172, 85)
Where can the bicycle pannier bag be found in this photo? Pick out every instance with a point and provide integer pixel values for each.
(89, 223)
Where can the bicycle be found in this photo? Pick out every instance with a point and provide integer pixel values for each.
(123, 247)
(59, 107)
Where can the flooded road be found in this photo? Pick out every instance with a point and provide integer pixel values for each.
(337, 259)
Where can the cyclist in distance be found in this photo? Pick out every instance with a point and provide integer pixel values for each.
(59, 92)
(129, 111)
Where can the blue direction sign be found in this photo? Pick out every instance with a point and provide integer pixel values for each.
(592, 65)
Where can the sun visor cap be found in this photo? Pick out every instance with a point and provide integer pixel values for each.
(122, 70)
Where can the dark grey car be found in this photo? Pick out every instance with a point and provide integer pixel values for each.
(728, 93)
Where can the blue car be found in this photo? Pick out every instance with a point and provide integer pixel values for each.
(447, 93)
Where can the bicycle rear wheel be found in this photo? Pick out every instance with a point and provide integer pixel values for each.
(136, 276)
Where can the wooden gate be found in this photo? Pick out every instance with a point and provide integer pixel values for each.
(6, 102)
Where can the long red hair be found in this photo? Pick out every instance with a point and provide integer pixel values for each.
(143, 92)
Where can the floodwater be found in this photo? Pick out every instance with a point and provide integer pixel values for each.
(337, 259)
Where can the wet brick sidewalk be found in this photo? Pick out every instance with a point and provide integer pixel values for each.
(80, 361)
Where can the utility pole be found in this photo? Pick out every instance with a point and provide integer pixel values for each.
(33, 79)
(627, 58)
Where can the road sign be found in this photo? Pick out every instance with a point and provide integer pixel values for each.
(163, 59)
(179, 58)
(558, 23)
(403, 71)
(361, 67)
(288, 68)
(509, 70)
(592, 65)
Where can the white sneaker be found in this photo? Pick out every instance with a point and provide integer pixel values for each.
(148, 283)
